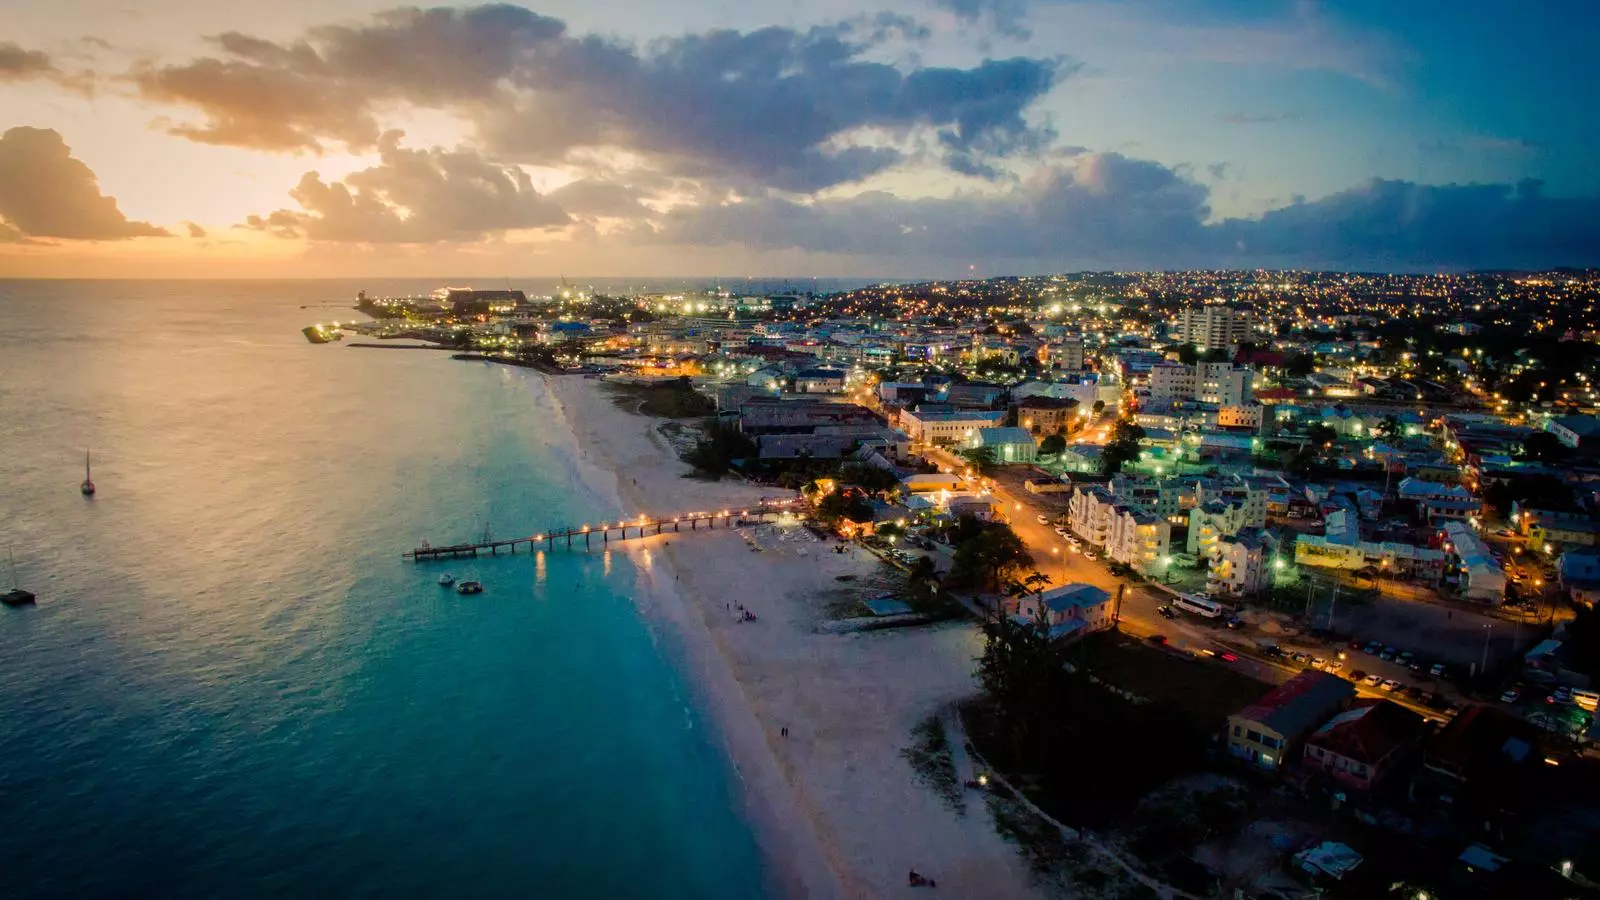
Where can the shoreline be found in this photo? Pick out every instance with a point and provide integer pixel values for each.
(816, 724)
(794, 863)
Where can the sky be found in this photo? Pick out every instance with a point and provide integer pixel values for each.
(915, 138)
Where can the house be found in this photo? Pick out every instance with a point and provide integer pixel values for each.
(1266, 732)
(1481, 577)
(1069, 611)
(1362, 745)
(1010, 445)
(1579, 571)
(1481, 749)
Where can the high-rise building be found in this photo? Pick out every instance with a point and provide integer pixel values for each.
(1213, 327)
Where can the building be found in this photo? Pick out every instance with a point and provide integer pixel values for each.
(1481, 749)
(1070, 611)
(1579, 571)
(1362, 745)
(1241, 565)
(948, 428)
(1219, 383)
(1266, 732)
(1128, 533)
(1577, 432)
(1212, 521)
(1214, 327)
(1479, 576)
(1046, 415)
(1245, 415)
(819, 381)
(1065, 354)
(771, 416)
(1224, 384)
(1010, 445)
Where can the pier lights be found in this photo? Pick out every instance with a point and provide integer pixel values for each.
(538, 537)
(585, 529)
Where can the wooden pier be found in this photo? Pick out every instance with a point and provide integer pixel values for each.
(568, 537)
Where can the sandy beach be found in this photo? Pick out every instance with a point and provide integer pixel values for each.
(837, 808)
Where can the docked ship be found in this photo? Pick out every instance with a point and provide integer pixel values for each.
(322, 334)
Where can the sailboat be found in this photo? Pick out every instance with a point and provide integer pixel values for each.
(16, 596)
(88, 482)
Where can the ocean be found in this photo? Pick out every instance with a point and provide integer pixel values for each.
(234, 686)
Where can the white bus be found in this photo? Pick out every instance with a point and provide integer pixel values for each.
(1200, 606)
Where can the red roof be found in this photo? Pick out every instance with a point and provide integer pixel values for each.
(1293, 707)
(1276, 394)
(1368, 733)
(1266, 358)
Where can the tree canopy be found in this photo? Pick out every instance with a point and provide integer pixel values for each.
(992, 554)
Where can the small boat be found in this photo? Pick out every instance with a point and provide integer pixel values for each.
(16, 596)
(469, 587)
(446, 580)
(322, 334)
(88, 482)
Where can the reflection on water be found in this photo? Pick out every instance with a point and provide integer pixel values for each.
(234, 686)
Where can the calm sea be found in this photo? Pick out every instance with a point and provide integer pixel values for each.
(233, 685)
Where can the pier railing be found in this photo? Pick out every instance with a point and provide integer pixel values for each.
(605, 532)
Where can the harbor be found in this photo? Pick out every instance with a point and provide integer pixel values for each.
(631, 529)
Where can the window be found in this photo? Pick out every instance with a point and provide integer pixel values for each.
(1254, 736)
(1237, 730)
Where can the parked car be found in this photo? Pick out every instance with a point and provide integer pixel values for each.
(1373, 680)
(1060, 531)
(1562, 694)
(1335, 665)
(1390, 685)
(1388, 653)
(1300, 657)
(1166, 612)
(1437, 670)
(1160, 640)
(1318, 662)
(1043, 520)
(1372, 647)
(1404, 658)
(1090, 554)
(1511, 695)
(1358, 675)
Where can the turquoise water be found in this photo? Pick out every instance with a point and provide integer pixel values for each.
(233, 686)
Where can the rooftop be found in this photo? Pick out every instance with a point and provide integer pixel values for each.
(1297, 704)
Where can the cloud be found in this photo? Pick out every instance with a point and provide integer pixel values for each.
(773, 107)
(20, 64)
(1004, 16)
(1105, 211)
(1094, 206)
(414, 196)
(195, 231)
(1239, 118)
(46, 193)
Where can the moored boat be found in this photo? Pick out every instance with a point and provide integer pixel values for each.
(446, 580)
(469, 587)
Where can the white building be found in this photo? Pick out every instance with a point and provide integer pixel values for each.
(1245, 415)
(1214, 327)
(1242, 565)
(1128, 534)
(1223, 384)
(1480, 577)
(948, 428)
(1069, 611)
(1212, 521)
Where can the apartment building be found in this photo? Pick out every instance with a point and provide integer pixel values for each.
(1128, 533)
(1241, 565)
(1214, 327)
(1223, 384)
